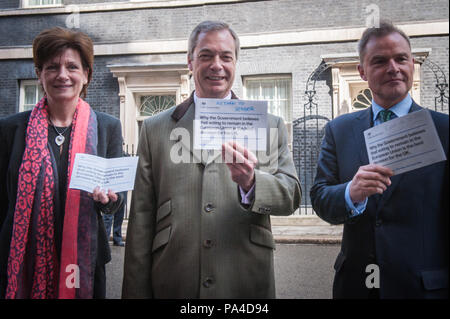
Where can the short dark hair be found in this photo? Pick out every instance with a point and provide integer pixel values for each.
(385, 28)
(207, 26)
(52, 42)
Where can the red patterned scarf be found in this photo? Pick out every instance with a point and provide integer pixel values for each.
(33, 236)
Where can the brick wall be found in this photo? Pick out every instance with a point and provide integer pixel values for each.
(246, 17)
(103, 89)
(438, 55)
(10, 74)
(9, 4)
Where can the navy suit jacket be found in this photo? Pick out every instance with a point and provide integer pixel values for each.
(404, 231)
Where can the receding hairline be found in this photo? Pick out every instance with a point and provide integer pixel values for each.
(363, 53)
(207, 27)
(211, 31)
(385, 29)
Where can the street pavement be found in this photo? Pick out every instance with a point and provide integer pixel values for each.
(306, 230)
(302, 271)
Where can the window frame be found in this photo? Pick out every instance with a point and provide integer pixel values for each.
(138, 97)
(22, 84)
(25, 4)
(273, 77)
(276, 76)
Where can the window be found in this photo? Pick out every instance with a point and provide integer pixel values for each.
(276, 90)
(40, 3)
(30, 93)
(150, 105)
(363, 99)
(147, 89)
(153, 104)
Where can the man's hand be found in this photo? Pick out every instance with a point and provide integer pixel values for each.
(99, 195)
(241, 163)
(368, 180)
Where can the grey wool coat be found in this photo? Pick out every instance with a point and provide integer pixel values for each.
(188, 234)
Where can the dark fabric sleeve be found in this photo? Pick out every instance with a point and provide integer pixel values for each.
(111, 207)
(114, 149)
(4, 160)
(328, 193)
(115, 140)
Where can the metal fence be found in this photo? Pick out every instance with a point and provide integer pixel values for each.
(308, 132)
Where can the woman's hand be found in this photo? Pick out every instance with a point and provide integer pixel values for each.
(99, 195)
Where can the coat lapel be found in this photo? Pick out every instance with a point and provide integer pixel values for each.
(361, 123)
(184, 115)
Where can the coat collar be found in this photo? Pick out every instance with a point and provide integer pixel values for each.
(362, 122)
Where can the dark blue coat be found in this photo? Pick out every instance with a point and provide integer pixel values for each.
(404, 231)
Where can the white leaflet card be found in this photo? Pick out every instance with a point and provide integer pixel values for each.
(405, 143)
(218, 121)
(90, 171)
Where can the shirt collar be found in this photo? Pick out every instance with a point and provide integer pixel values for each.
(228, 97)
(400, 109)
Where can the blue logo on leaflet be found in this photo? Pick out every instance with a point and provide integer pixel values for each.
(244, 108)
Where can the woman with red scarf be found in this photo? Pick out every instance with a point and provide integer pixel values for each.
(52, 239)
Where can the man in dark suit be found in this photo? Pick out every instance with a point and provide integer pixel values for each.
(395, 241)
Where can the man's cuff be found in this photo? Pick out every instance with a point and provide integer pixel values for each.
(355, 209)
(247, 198)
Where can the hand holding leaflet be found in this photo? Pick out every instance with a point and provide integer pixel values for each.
(218, 121)
(116, 174)
(406, 143)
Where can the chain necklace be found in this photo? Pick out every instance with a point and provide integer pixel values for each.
(59, 140)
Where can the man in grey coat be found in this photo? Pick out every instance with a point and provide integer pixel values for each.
(200, 228)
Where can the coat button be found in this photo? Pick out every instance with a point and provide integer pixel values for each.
(209, 208)
(378, 222)
(208, 282)
(207, 243)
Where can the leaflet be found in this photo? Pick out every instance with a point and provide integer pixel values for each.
(90, 171)
(218, 121)
(405, 143)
